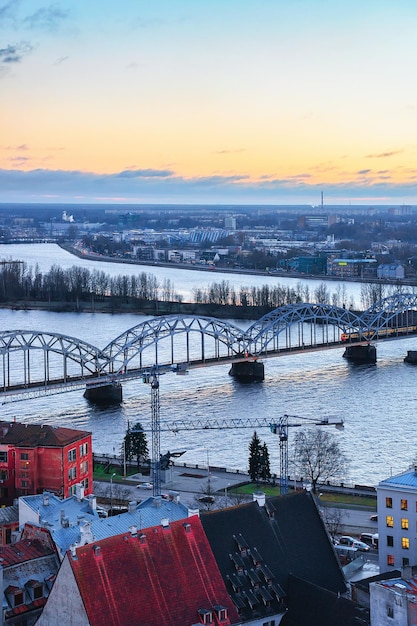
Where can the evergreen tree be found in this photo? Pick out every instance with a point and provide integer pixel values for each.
(265, 464)
(255, 458)
(136, 445)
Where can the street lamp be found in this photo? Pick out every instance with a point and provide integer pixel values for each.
(225, 494)
(111, 493)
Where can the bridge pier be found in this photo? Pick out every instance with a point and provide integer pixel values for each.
(104, 394)
(248, 371)
(360, 354)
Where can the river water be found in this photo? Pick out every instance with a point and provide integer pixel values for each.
(377, 402)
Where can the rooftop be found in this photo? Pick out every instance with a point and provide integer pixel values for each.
(407, 480)
(38, 435)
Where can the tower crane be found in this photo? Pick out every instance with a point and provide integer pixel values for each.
(281, 429)
(278, 428)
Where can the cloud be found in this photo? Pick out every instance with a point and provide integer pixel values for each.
(146, 173)
(362, 172)
(8, 11)
(61, 60)
(47, 18)
(236, 151)
(383, 155)
(14, 53)
(165, 186)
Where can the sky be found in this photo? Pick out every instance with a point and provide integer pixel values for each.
(208, 101)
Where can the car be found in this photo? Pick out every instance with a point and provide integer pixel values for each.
(353, 543)
(373, 518)
(145, 486)
(101, 512)
(206, 499)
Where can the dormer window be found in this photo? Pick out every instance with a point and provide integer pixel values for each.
(206, 616)
(35, 589)
(221, 613)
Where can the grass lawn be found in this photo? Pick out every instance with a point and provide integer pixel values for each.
(335, 499)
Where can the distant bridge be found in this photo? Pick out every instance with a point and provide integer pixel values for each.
(36, 362)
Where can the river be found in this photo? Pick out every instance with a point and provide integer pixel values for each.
(377, 402)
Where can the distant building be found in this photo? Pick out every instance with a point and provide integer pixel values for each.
(36, 458)
(397, 521)
(392, 271)
(351, 268)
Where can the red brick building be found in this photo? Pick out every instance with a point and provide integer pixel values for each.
(36, 458)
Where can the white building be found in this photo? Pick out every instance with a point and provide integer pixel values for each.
(393, 602)
(397, 521)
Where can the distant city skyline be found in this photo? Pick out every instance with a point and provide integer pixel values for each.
(227, 101)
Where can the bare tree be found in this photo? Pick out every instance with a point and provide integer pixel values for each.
(333, 519)
(318, 456)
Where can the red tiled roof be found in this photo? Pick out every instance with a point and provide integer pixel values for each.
(162, 581)
(34, 435)
(22, 551)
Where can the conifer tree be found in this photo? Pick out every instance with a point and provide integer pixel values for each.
(255, 458)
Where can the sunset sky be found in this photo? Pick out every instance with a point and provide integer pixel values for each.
(208, 101)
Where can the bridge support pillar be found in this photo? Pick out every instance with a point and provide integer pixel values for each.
(105, 394)
(360, 354)
(248, 371)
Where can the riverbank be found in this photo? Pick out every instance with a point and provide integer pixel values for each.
(82, 254)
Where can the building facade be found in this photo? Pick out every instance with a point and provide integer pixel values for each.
(36, 458)
(397, 521)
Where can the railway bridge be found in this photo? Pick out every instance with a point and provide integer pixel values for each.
(34, 362)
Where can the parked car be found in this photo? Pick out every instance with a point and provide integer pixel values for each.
(101, 512)
(373, 518)
(353, 543)
(371, 539)
(145, 486)
(206, 499)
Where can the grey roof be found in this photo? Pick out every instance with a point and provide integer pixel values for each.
(82, 518)
(9, 514)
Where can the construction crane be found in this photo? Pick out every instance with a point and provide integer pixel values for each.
(152, 377)
(278, 428)
(281, 429)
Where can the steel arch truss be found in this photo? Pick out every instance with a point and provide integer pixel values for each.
(323, 319)
(155, 341)
(27, 352)
(391, 315)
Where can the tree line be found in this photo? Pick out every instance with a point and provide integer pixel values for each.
(20, 282)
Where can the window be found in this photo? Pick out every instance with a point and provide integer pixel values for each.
(3, 456)
(24, 483)
(72, 473)
(84, 467)
(72, 455)
(24, 456)
(4, 474)
(390, 521)
(390, 559)
(404, 523)
(405, 543)
(83, 449)
(388, 503)
(85, 483)
(390, 540)
(38, 592)
(406, 562)
(390, 611)
(404, 505)
(24, 465)
(18, 598)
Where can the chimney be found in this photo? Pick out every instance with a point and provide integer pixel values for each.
(79, 492)
(157, 501)
(133, 531)
(45, 499)
(132, 507)
(62, 515)
(165, 522)
(73, 551)
(259, 497)
(92, 501)
(96, 550)
(187, 527)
